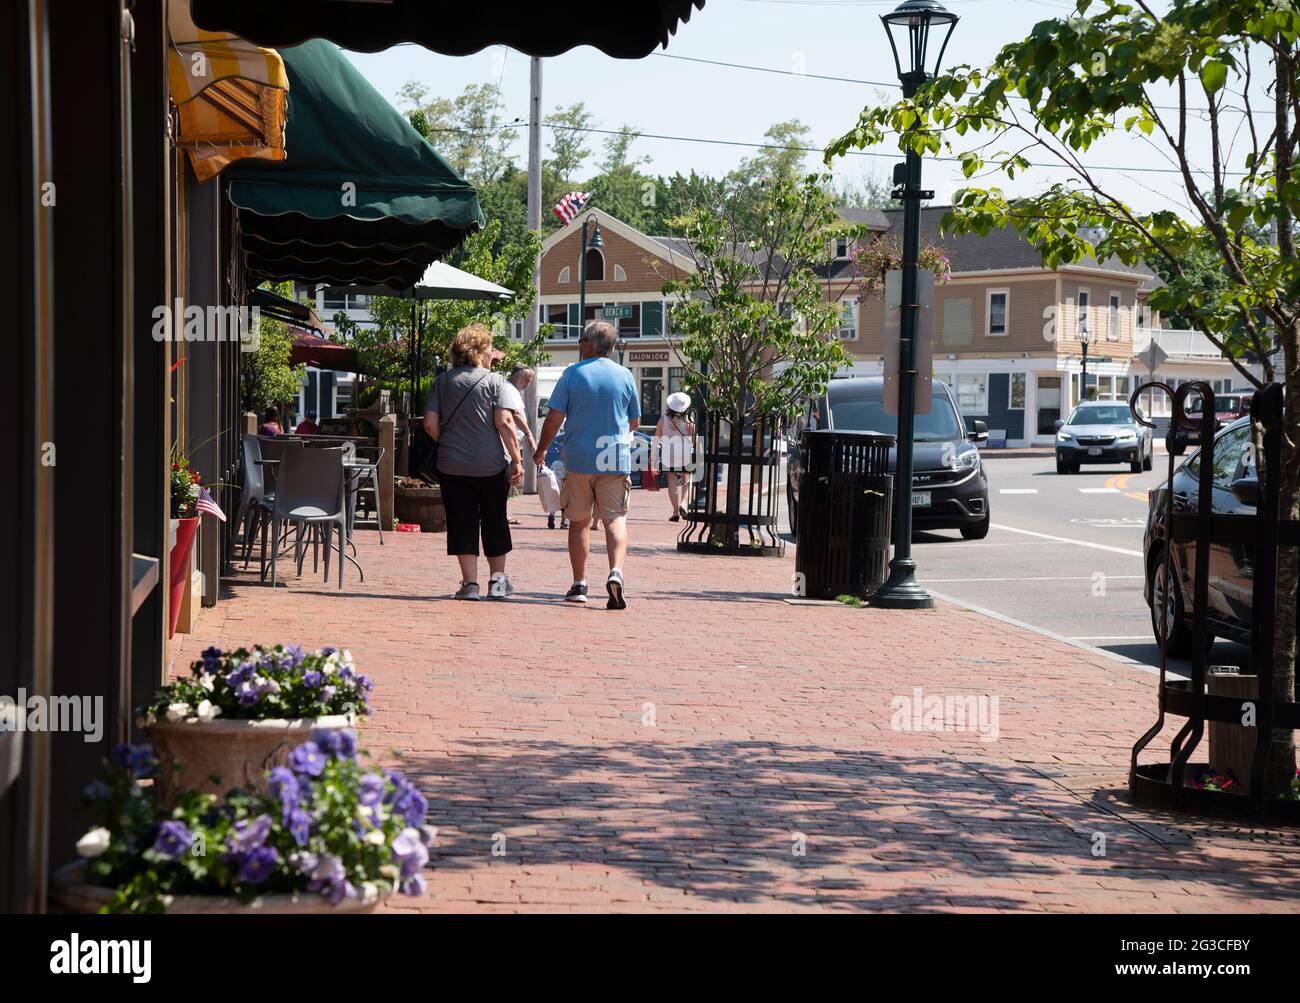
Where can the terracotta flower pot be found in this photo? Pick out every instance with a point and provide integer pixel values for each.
(422, 506)
(180, 581)
(191, 752)
(69, 891)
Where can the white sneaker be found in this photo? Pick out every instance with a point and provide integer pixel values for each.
(499, 586)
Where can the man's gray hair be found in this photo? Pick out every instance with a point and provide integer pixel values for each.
(519, 372)
(602, 336)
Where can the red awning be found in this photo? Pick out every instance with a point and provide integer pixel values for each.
(313, 350)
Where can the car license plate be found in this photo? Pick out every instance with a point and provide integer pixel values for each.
(920, 499)
(1094, 450)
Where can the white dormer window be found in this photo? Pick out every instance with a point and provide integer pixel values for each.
(563, 277)
(619, 274)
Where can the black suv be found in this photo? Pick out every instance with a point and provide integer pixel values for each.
(949, 487)
(1236, 491)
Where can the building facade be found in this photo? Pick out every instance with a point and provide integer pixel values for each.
(626, 276)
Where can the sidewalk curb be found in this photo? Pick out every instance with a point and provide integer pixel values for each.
(1043, 632)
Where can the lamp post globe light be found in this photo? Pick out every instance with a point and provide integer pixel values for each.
(911, 28)
(595, 243)
(1084, 338)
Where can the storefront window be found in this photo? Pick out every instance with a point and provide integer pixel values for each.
(973, 393)
(1017, 401)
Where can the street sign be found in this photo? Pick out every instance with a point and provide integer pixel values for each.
(924, 355)
(1091, 380)
(611, 312)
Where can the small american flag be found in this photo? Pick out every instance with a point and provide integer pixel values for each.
(570, 206)
(207, 503)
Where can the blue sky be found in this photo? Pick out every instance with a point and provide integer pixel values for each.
(838, 38)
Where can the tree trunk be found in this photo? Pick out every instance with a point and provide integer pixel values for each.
(735, 441)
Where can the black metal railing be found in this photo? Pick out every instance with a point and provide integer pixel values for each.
(1201, 528)
(733, 491)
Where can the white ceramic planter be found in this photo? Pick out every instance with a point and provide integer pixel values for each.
(69, 892)
(191, 753)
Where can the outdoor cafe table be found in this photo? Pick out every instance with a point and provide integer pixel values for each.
(352, 470)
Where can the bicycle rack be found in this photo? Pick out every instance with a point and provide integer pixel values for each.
(1163, 784)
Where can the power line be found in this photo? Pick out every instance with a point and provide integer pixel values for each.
(815, 149)
(873, 83)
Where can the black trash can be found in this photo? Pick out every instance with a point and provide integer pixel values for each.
(845, 511)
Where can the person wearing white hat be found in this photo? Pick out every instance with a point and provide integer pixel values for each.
(675, 436)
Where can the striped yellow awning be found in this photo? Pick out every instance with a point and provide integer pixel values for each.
(231, 96)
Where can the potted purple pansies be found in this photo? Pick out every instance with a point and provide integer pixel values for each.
(328, 832)
(242, 712)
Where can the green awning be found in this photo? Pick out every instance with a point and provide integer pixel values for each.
(360, 197)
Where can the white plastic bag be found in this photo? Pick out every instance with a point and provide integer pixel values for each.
(548, 490)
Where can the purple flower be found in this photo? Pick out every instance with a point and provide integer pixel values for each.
(409, 851)
(411, 805)
(211, 659)
(327, 693)
(413, 884)
(137, 760)
(174, 839)
(247, 694)
(340, 742)
(299, 826)
(308, 759)
(256, 865)
(241, 674)
(331, 880)
(372, 789)
(295, 653)
(328, 650)
(249, 834)
(313, 678)
(97, 790)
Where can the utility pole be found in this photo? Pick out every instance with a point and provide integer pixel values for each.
(531, 322)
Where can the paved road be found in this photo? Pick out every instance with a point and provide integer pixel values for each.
(1064, 555)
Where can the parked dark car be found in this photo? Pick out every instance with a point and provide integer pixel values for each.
(949, 487)
(1236, 491)
(1102, 433)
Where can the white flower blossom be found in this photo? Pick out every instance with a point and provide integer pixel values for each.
(207, 681)
(207, 710)
(375, 837)
(93, 843)
(178, 711)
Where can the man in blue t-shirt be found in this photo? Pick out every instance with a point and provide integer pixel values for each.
(595, 399)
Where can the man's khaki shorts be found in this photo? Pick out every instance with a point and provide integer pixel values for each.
(605, 494)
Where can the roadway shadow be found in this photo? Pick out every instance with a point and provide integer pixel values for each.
(720, 819)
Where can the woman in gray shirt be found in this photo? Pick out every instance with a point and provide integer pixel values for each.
(470, 414)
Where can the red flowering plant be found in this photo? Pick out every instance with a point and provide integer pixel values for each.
(184, 488)
(883, 254)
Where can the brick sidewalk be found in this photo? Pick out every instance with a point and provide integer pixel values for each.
(677, 755)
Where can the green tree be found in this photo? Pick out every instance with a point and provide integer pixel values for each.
(620, 188)
(782, 159)
(266, 379)
(468, 130)
(752, 324)
(1117, 68)
(569, 149)
(384, 349)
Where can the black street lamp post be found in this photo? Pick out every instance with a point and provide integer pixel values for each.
(597, 242)
(917, 18)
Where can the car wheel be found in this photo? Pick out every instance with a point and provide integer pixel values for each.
(1167, 621)
(1137, 466)
(792, 509)
(977, 531)
(1062, 467)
